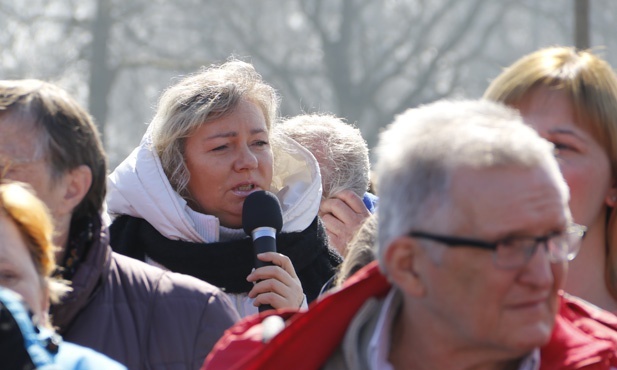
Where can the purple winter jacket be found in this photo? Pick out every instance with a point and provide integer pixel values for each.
(140, 315)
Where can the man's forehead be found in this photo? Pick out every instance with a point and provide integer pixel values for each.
(508, 199)
(18, 140)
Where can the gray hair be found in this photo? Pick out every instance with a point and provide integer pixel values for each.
(200, 98)
(339, 148)
(421, 149)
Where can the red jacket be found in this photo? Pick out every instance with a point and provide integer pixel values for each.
(584, 337)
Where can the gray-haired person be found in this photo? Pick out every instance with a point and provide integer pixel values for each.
(474, 239)
(343, 157)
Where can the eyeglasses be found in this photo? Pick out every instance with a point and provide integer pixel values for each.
(515, 252)
(8, 164)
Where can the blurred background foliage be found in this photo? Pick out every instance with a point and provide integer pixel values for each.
(363, 60)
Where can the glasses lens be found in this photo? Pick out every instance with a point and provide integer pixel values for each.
(559, 248)
(575, 234)
(514, 253)
(565, 246)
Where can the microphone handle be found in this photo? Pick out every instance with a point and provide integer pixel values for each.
(262, 245)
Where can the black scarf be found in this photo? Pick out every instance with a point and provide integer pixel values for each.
(227, 264)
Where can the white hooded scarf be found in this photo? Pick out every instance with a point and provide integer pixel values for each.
(138, 187)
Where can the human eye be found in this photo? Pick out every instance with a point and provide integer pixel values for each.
(564, 148)
(566, 144)
(220, 148)
(261, 143)
(8, 277)
(218, 145)
(517, 244)
(513, 252)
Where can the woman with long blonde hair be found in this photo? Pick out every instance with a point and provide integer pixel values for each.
(570, 97)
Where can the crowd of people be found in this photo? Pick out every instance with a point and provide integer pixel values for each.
(489, 243)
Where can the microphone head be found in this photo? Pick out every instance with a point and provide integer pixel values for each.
(261, 209)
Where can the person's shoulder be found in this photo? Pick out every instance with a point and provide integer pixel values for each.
(138, 271)
(142, 273)
(75, 357)
(175, 287)
(584, 313)
(583, 334)
(247, 342)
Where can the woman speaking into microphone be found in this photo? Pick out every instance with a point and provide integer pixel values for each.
(177, 200)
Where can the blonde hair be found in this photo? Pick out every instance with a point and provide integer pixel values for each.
(360, 251)
(591, 85)
(200, 98)
(589, 81)
(31, 216)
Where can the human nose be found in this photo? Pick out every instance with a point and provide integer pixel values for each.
(538, 271)
(246, 159)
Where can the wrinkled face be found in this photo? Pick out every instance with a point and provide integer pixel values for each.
(17, 271)
(21, 159)
(228, 159)
(478, 305)
(584, 163)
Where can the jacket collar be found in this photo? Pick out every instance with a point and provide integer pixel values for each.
(583, 335)
(86, 279)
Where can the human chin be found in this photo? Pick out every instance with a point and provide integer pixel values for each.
(533, 331)
(231, 221)
(533, 336)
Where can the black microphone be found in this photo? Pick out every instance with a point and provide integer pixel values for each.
(262, 218)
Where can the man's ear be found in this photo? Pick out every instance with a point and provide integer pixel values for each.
(77, 183)
(403, 263)
(611, 196)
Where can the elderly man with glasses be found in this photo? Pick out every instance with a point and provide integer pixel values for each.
(474, 239)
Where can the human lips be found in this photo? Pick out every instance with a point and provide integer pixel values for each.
(244, 189)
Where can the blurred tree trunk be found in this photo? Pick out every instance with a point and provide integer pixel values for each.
(581, 24)
(360, 59)
(101, 75)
